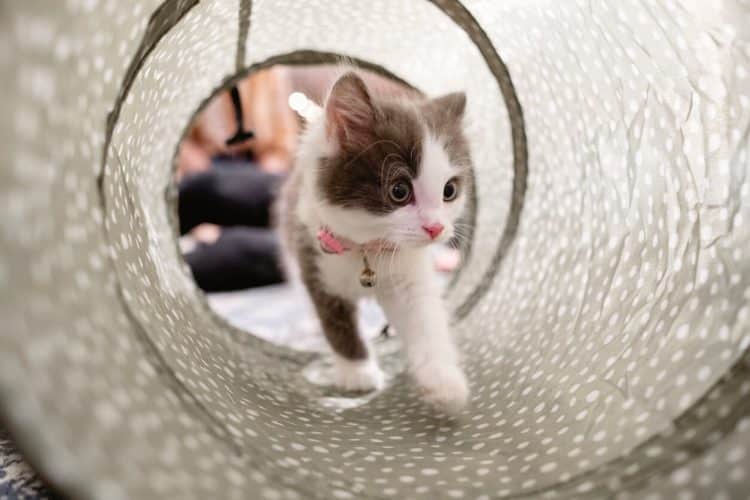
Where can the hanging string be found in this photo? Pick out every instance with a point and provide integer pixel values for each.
(241, 135)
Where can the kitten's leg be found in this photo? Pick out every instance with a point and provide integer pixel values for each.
(355, 365)
(416, 310)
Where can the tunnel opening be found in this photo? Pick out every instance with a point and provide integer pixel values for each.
(226, 195)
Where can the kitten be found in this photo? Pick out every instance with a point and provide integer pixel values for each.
(381, 178)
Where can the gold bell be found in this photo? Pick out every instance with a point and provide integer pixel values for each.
(367, 277)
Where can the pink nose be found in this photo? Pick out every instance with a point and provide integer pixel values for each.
(433, 230)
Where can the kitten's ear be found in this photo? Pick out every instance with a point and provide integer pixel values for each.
(350, 114)
(453, 104)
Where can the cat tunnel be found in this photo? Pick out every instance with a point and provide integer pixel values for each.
(603, 307)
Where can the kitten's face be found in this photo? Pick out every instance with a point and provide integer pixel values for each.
(398, 171)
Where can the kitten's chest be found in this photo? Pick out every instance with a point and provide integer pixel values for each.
(340, 274)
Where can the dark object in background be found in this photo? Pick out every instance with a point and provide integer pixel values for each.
(237, 197)
(242, 257)
(231, 193)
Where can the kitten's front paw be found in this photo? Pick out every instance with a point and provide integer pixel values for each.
(443, 386)
(360, 375)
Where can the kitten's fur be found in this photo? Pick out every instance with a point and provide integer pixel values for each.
(347, 163)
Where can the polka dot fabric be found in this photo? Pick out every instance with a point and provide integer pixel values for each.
(607, 350)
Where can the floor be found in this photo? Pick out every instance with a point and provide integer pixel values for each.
(284, 315)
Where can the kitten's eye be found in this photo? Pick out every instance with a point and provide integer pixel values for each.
(400, 191)
(450, 191)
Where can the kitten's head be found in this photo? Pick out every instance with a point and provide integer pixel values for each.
(395, 170)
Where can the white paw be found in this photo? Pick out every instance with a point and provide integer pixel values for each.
(361, 375)
(443, 386)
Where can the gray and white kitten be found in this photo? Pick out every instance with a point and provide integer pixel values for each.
(384, 178)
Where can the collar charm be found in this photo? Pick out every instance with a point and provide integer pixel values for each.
(330, 244)
(367, 278)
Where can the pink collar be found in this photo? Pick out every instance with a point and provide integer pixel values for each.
(332, 244)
